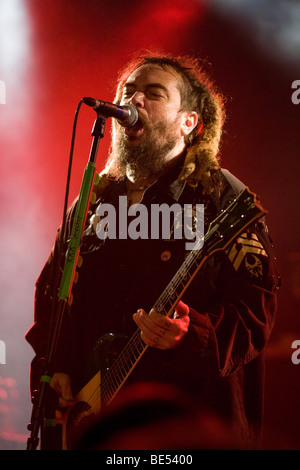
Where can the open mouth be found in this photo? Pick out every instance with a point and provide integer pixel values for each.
(135, 130)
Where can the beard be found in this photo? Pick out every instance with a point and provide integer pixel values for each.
(146, 158)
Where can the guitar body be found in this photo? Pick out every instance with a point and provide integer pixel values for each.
(88, 401)
(83, 413)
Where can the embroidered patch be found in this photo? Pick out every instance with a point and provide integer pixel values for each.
(248, 253)
(254, 265)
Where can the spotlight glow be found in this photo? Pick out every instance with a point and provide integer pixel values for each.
(14, 38)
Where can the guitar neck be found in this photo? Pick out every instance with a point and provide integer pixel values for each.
(170, 297)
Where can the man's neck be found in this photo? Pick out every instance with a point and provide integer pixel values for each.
(142, 181)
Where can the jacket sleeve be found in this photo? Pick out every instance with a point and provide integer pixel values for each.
(45, 300)
(231, 325)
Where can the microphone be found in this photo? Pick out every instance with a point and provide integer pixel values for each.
(126, 115)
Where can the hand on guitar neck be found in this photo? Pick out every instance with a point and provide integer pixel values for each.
(159, 331)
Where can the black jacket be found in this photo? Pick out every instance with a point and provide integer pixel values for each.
(232, 304)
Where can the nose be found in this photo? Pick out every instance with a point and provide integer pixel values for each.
(137, 99)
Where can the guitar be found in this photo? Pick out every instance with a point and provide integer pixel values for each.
(105, 384)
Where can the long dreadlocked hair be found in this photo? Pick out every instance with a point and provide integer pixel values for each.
(199, 94)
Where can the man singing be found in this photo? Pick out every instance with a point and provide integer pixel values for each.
(212, 345)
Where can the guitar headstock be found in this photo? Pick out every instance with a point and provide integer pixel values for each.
(242, 212)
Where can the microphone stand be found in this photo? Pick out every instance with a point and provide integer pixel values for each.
(44, 392)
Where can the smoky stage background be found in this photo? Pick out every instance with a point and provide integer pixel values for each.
(54, 52)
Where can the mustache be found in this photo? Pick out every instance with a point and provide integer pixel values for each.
(144, 120)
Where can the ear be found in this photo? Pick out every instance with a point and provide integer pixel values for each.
(189, 122)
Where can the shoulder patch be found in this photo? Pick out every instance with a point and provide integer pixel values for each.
(248, 254)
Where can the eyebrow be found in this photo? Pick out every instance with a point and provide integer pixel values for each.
(150, 85)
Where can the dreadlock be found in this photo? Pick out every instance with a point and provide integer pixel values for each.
(198, 94)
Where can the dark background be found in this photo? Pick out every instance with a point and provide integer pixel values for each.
(54, 52)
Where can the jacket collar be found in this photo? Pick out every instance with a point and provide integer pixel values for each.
(168, 184)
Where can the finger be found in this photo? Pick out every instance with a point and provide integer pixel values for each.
(152, 324)
(150, 333)
(171, 330)
(63, 403)
(66, 393)
(142, 320)
(159, 319)
(166, 326)
(62, 384)
(181, 310)
(160, 331)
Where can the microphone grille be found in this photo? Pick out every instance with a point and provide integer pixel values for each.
(133, 115)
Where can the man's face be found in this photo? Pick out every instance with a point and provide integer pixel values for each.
(158, 136)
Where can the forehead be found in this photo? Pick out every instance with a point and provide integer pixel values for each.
(154, 74)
